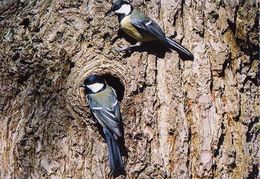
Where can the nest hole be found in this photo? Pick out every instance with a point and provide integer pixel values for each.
(116, 83)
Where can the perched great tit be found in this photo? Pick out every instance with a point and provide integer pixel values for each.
(140, 27)
(104, 105)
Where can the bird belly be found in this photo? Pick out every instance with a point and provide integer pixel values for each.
(133, 32)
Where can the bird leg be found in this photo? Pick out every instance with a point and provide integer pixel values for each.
(129, 48)
(114, 39)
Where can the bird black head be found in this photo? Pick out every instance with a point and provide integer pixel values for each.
(94, 84)
(120, 7)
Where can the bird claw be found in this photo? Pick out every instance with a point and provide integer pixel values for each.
(129, 48)
(123, 49)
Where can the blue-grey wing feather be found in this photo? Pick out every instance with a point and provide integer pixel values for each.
(147, 25)
(108, 115)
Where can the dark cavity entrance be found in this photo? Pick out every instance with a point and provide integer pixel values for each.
(115, 83)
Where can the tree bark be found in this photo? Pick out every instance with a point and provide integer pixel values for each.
(182, 119)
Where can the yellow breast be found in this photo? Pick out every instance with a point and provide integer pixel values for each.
(132, 31)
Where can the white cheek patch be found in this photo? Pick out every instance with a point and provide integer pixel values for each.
(95, 87)
(124, 9)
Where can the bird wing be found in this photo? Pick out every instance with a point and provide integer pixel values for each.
(116, 107)
(107, 116)
(144, 23)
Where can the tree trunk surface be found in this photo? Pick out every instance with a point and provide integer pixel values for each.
(181, 118)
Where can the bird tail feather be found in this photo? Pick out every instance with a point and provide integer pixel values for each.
(179, 48)
(115, 159)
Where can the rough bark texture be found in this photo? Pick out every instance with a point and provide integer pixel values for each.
(182, 119)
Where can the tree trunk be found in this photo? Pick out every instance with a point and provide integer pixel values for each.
(182, 119)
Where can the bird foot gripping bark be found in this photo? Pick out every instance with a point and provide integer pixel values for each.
(129, 48)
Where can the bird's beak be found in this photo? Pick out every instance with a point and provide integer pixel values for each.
(110, 13)
(82, 86)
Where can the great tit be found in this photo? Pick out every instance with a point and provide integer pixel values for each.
(140, 27)
(104, 105)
